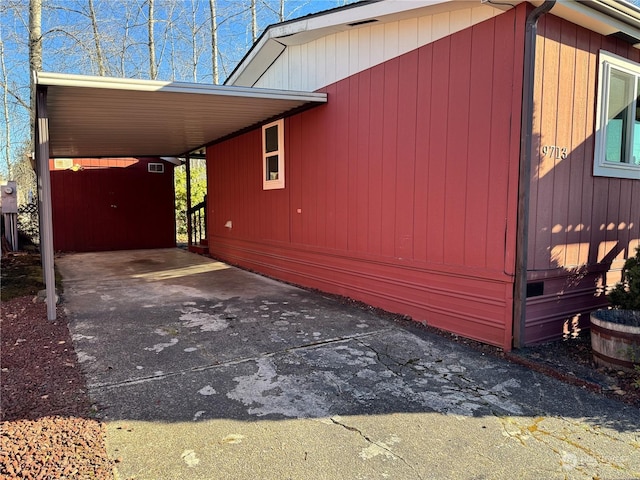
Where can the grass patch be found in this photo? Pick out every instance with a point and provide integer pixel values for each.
(22, 276)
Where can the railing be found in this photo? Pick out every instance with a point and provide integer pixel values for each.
(197, 218)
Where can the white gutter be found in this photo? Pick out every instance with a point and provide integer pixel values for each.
(602, 16)
(620, 9)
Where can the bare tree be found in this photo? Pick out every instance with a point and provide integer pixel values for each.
(196, 38)
(214, 41)
(5, 111)
(281, 12)
(254, 21)
(125, 42)
(130, 42)
(24, 175)
(96, 39)
(35, 53)
(15, 88)
(153, 69)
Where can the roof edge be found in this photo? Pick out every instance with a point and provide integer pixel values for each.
(138, 85)
(603, 16)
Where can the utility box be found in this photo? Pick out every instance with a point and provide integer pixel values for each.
(9, 197)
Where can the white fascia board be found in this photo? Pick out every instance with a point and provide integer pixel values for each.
(86, 81)
(306, 29)
(621, 9)
(257, 62)
(596, 20)
(331, 21)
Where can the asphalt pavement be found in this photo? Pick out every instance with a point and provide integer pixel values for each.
(204, 371)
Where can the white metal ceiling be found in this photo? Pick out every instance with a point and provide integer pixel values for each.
(110, 117)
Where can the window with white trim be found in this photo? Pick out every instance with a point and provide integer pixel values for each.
(273, 155)
(617, 145)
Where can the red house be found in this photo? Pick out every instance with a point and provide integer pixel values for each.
(475, 165)
(418, 187)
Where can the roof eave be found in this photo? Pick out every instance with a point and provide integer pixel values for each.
(112, 83)
(261, 55)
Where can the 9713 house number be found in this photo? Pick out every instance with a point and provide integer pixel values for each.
(554, 151)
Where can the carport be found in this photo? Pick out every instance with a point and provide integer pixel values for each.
(85, 116)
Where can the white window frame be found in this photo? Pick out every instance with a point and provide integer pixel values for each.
(601, 167)
(267, 183)
(155, 167)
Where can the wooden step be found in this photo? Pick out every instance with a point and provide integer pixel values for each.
(199, 249)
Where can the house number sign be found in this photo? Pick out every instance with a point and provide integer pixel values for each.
(554, 151)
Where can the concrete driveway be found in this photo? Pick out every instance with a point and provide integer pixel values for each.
(204, 371)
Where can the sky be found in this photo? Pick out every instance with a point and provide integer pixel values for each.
(182, 34)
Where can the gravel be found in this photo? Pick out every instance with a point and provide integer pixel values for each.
(46, 429)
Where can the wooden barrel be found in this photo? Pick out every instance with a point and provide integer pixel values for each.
(615, 343)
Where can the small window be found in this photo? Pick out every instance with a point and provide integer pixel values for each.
(617, 147)
(273, 155)
(155, 167)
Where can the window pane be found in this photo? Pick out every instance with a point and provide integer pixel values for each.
(271, 139)
(620, 91)
(272, 167)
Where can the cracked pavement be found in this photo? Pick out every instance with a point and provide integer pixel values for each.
(203, 371)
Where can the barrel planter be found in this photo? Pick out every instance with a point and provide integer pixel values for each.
(615, 338)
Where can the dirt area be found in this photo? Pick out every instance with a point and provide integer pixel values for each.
(46, 425)
(21, 275)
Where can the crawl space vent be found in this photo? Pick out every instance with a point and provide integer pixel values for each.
(155, 168)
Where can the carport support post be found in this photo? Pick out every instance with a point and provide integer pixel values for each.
(187, 165)
(44, 193)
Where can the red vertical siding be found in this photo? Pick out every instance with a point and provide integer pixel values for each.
(581, 226)
(352, 164)
(404, 180)
(406, 154)
(479, 143)
(339, 168)
(362, 163)
(112, 204)
(505, 142)
(435, 205)
(389, 156)
(375, 162)
(456, 188)
(423, 131)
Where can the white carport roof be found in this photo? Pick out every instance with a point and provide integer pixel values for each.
(115, 117)
(82, 116)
